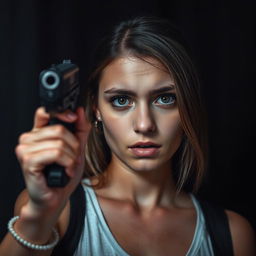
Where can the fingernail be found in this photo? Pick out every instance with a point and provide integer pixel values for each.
(71, 115)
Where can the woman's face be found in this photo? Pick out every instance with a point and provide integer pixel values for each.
(138, 109)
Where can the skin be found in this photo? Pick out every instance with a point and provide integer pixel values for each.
(139, 190)
(141, 117)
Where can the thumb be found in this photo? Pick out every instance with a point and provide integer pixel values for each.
(41, 118)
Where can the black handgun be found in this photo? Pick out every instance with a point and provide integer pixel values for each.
(59, 90)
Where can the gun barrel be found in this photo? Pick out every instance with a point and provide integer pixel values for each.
(50, 80)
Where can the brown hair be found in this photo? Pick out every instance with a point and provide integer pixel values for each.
(157, 38)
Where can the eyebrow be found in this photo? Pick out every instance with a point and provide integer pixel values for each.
(132, 93)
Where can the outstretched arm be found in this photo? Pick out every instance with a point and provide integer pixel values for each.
(41, 208)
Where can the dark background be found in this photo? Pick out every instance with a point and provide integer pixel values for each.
(35, 34)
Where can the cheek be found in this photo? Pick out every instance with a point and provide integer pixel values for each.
(114, 129)
(171, 128)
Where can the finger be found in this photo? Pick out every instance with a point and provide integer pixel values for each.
(36, 162)
(66, 116)
(23, 149)
(41, 118)
(53, 132)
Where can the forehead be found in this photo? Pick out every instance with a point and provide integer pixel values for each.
(133, 72)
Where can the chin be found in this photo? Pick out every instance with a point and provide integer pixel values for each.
(146, 165)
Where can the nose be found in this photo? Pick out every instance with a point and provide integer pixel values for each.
(144, 121)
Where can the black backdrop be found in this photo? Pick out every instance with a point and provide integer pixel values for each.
(35, 34)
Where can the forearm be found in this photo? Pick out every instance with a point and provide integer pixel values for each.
(11, 247)
(38, 231)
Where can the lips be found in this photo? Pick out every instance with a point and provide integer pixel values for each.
(145, 145)
(145, 149)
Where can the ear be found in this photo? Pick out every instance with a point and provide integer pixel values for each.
(97, 114)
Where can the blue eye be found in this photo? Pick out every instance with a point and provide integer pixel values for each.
(120, 101)
(166, 99)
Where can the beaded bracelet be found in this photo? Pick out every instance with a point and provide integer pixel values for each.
(28, 244)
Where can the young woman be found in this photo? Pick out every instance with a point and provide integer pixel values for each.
(143, 139)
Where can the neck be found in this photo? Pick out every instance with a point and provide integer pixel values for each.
(145, 189)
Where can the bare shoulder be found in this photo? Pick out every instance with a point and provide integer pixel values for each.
(243, 235)
(63, 220)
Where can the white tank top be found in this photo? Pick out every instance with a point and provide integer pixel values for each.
(97, 239)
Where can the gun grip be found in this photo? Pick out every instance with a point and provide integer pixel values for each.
(55, 174)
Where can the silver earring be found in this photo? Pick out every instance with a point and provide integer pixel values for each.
(98, 125)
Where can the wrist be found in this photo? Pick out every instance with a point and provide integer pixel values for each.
(35, 225)
(41, 214)
(29, 244)
(35, 230)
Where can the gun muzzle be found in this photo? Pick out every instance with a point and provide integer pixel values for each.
(50, 80)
